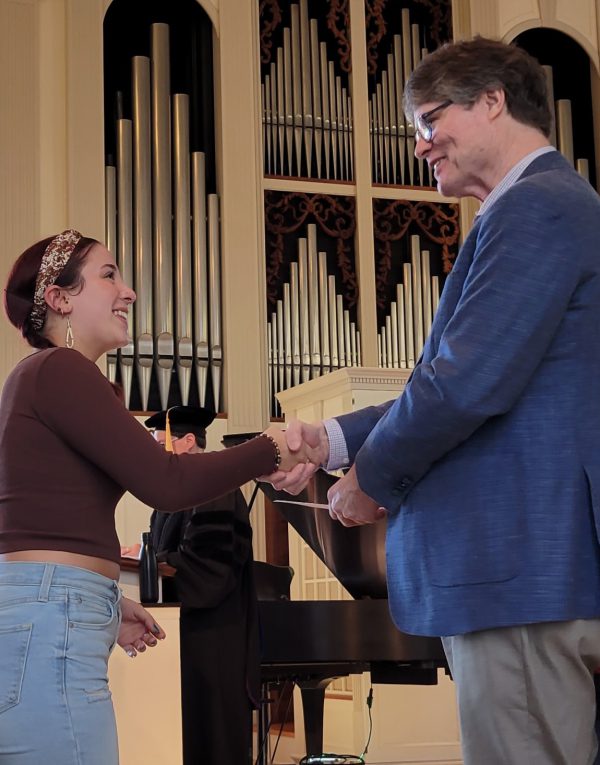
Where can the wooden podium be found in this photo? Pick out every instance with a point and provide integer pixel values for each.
(342, 391)
(147, 690)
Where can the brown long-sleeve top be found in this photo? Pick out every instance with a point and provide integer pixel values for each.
(69, 449)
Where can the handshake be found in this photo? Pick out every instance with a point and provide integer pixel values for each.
(304, 448)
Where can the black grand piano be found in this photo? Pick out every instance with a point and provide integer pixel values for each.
(314, 642)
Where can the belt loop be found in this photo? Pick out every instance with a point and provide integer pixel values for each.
(46, 581)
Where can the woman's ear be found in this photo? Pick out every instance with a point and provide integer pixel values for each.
(58, 300)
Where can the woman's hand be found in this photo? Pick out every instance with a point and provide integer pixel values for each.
(138, 628)
(304, 448)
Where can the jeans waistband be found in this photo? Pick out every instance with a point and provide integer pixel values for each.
(47, 575)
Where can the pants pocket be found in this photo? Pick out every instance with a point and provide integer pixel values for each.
(14, 647)
(90, 612)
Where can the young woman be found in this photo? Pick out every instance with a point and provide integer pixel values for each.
(68, 451)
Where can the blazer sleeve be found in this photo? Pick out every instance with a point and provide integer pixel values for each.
(526, 267)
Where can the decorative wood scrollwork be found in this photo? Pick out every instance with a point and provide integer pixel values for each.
(270, 18)
(286, 213)
(434, 16)
(394, 220)
(440, 27)
(376, 29)
(338, 22)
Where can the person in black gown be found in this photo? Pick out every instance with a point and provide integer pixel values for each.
(210, 548)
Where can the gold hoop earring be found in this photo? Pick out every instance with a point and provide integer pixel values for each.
(69, 338)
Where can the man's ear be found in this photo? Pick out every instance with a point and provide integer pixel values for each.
(495, 101)
(190, 440)
(58, 300)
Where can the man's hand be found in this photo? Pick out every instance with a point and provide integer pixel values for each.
(306, 448)
(138, 628)
(349, 505)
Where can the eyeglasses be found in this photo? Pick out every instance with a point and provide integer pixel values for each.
(162, 443)
(423, 123)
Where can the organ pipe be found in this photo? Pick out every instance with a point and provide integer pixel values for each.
(310, 331)
(165, 234)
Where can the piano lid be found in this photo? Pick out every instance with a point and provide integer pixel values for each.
(354, 555)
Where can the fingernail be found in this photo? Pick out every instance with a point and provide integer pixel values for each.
(156, 629)
(130, 653)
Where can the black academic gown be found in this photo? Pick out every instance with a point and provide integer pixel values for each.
(211, 550)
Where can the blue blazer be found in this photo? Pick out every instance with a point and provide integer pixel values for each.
(489, 463)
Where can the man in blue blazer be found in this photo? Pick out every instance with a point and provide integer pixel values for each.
(488, 466)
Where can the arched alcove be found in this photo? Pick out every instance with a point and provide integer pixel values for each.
(162, 210)
(571, 81)
(127, 34)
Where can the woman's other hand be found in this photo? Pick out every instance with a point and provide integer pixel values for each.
(138, 628)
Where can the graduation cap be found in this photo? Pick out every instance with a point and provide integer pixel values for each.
(181, 420)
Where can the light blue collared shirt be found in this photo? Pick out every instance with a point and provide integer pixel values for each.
(511, 178)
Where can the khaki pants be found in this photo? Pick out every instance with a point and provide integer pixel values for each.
(526, 694)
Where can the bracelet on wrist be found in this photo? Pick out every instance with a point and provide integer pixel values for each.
(277, 451)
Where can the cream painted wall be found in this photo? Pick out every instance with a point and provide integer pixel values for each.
(20, 133)
(51, 140)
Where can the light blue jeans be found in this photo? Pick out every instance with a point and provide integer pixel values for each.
(58, 625)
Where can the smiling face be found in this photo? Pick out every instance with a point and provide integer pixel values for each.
(461, 151)
(99, 311)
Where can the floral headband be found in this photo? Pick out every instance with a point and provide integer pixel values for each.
(55, 258)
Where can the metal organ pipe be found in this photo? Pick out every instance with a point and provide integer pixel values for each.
(161, 184)
(183, 244)
(550, 88)
(110, 203)
(200, 273)
(214, 281)
(142, 217)
(125, 238)
(304, 309)
(110, 239)
(564, 129)
(295, 321)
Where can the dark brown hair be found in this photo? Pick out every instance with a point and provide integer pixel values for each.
(460, 72)
(20, 285)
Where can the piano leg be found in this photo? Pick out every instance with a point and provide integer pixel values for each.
(313, 702)
(312, 691)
